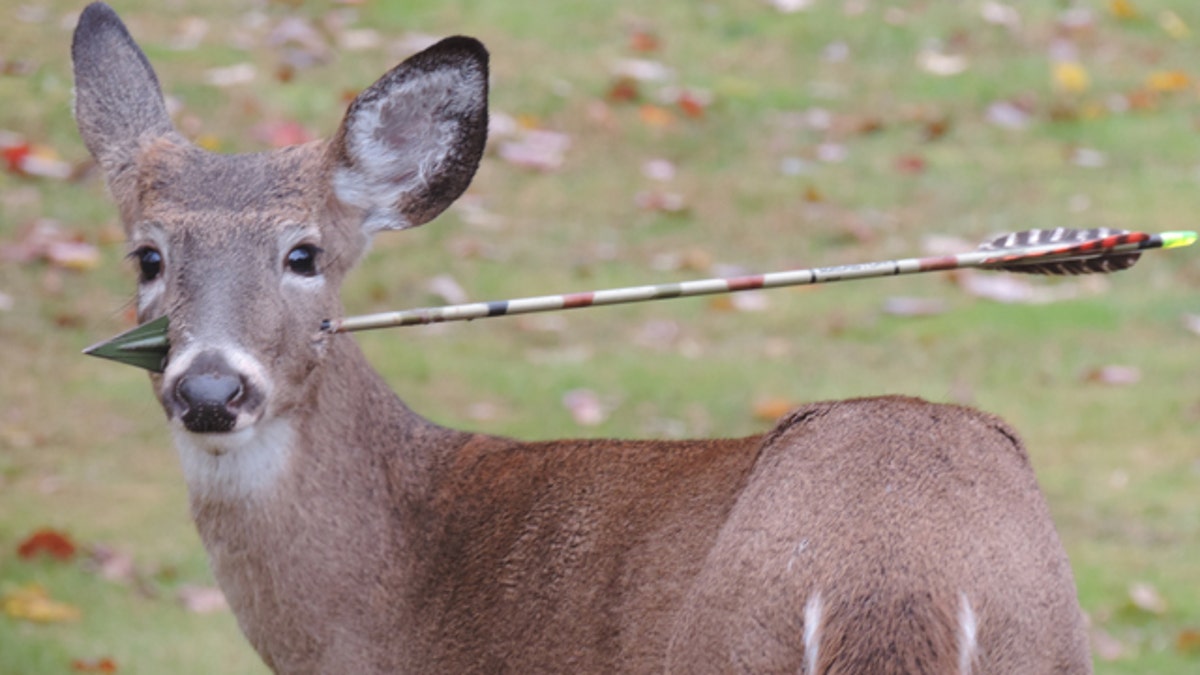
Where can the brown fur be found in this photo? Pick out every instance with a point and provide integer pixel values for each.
(383, 543)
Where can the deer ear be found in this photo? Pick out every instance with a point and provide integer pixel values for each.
(410, 144)
(118, 103)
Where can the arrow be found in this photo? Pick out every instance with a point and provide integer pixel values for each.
(1059, 252)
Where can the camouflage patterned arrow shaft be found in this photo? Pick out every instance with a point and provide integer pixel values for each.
(1044, 255)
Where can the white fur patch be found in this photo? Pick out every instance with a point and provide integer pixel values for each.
(237, 465)
(812, 632)
(968, 628)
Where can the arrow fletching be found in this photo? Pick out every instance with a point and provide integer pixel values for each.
(1078, 251)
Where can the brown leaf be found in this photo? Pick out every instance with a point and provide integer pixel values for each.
(910, 164)
(660, 200)
(623, 90)
(101, 665)
(1188, 642)
(644, 40)
(48, 541)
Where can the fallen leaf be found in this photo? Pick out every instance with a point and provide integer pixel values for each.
(1114, 375)
(359, 39)
(1107, 647)
(111, 564)
(791, 6)
(229, 76)
(658, 169)
(772, 408)
(447, 289)
(941, 64)
(642, 70)
(1174, 26)
(537, 149)
(623, 90)
(282, 133)
(33, 603)
(1188, 642)
(910, 164)
(661, 201)
(101, 665)
(655, 116)
(934, 129)
(1168, 81)
(1088, 158)
(1000, 288)
(832, 153)
(1070, 76)
(1192, 323)
(46, 240)
(191, 33)
(1008, 115)
(1000, 14)
(47, 541)
(1122, 9)
(644, 40)
(1146, 597)
(908, 306)
(585, 407)
(202, 599)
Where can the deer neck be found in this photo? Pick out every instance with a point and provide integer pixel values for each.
(340, 498)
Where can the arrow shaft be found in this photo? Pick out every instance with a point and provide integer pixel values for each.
(1115, 244)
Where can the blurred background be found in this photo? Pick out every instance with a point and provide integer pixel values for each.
(636, 143)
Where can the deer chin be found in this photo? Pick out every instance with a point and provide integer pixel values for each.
(244, 463)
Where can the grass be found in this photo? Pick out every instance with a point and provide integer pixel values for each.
(82, 443)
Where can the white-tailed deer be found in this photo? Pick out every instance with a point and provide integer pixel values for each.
(350, 535)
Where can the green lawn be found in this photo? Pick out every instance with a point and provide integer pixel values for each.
(835, 134)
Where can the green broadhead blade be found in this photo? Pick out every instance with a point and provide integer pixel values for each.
(145, 346)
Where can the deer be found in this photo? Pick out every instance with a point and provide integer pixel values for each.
(350, 534)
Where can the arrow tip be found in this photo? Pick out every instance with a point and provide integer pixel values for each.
(145, 346)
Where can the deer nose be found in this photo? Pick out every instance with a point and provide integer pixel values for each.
(211, 394)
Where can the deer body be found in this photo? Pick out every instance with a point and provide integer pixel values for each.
(882, 535)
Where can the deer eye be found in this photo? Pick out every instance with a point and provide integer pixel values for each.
(150, 263)
(302, 260)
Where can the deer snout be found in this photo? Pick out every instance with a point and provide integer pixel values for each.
(211, 395)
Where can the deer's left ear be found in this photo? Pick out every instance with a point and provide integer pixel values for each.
(410, 144)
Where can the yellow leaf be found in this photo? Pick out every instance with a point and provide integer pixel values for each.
(1167, 80)
(1122, 9)
(1173, 25)
(1072, 77)
(32, 603)
(209, 142)
(772, 408)
(655, 116)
